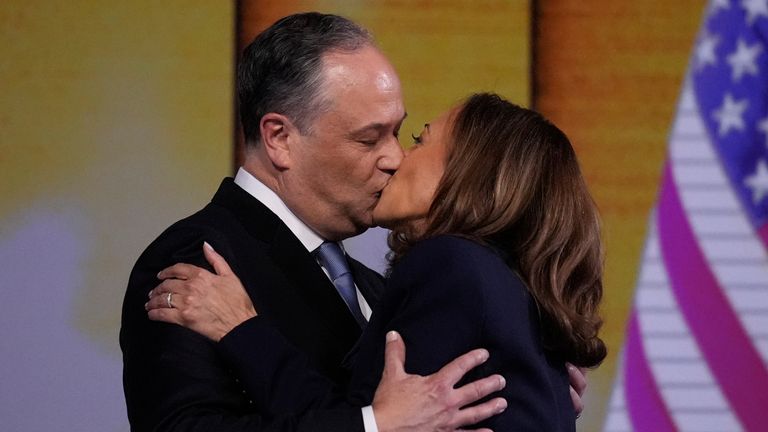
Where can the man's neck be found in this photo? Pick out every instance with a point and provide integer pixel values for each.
(255, 165)
(272, 200)
(294, 195)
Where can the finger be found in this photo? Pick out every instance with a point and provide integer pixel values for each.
(578, 404)
(161, 302)
(218, 262)
(453, 371)
(172, 316)
(179, 271)
(394, 354)
(479, 389)
(478, 413)
(577, 378)
(169, 285)
(155, 302)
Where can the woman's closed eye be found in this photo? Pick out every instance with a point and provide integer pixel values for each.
(416, 139)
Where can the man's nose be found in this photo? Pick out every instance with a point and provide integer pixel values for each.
(392, 156)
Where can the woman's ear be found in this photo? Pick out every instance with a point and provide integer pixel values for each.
(277, 134)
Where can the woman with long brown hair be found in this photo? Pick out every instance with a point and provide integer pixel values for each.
(495, 243)
(512, 182)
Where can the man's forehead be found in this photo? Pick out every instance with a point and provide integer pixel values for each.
(362, 90)
(366, 65)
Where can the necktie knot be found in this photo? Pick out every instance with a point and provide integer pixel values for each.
(332, 258)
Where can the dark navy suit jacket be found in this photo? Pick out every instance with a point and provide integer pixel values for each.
(448, 295)
(177, 380)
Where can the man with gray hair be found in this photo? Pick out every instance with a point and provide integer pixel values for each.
(321, 108)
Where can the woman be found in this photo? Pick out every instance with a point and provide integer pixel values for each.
(495, 244)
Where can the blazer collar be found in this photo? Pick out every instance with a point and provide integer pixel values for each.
(297, 264)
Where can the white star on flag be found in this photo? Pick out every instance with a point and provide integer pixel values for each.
(729, 114)
(705, 52)
(754, 9)
(742, 61)
(719, 4)
(758, 182)
(763, 126)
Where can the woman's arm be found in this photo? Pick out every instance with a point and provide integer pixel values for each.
(214, 304)
(217, 306)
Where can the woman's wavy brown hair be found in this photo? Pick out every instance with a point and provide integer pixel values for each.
(512, 180)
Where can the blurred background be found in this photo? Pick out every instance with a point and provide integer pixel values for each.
(117, 118)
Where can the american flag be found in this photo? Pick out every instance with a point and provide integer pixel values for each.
(696, 352)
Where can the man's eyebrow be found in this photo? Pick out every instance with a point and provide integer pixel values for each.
(378, 127)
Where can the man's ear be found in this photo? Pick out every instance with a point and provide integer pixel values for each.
(277, 135)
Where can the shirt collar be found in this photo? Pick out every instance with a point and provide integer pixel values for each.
(309, 238)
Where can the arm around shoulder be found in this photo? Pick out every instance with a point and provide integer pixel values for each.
(177, 380)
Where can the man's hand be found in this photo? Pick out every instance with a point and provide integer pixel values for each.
(192, 297)
(578, 380)
(406, 402)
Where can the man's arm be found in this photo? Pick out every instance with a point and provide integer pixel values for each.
(184, 384)
(404, 402)
(176, 380)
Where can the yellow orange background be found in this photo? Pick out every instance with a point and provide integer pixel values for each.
(116, 119)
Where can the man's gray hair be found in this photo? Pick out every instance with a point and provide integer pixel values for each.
(281, 70)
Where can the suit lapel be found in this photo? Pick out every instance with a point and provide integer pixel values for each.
(256, 218)
(370, 283)
(296, 264)
(307, 277)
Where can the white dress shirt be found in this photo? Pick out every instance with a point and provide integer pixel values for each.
(309, 238)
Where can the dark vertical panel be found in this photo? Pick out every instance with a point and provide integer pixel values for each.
(237, 137)
(533, 52)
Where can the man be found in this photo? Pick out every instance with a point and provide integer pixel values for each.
(321, 108)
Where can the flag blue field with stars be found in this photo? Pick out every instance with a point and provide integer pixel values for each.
(696, 352)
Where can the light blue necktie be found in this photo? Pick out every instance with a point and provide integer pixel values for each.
(333, 260)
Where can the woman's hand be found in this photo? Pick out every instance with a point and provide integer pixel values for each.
(192, 297)
(577, 377)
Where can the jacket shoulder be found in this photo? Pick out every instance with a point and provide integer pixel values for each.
(453, 255)
(462, 269)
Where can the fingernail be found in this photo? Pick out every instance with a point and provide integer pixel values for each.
(502, 382)
(501, 406)
(146, 306)
(484, 355)
(206, 245)
(159, 274)
(149, 294)
(392, 336)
